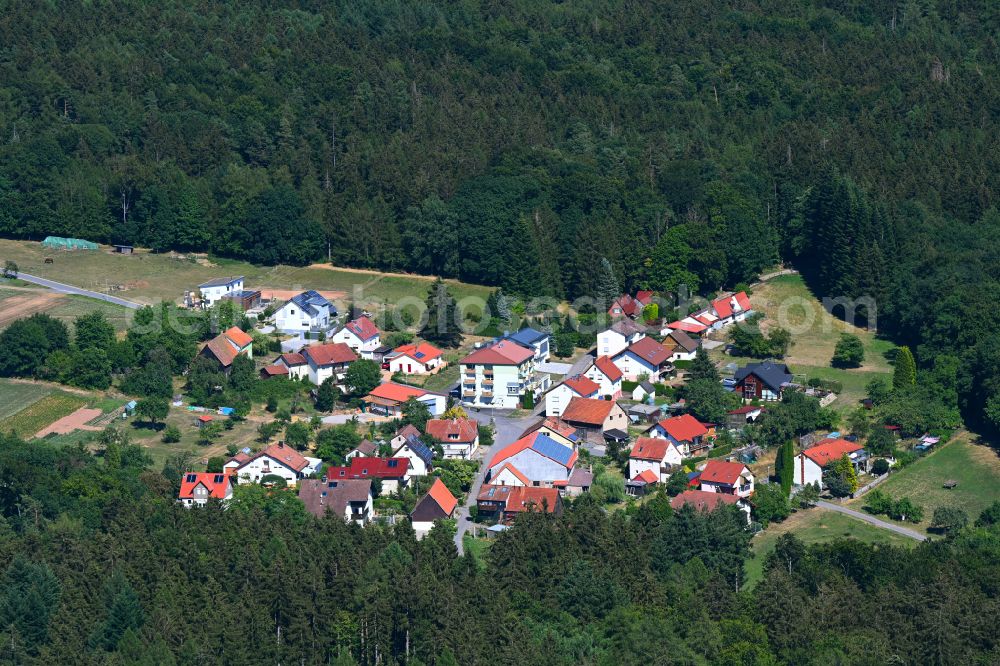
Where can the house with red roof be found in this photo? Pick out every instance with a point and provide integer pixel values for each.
(500, 375)
(361, 335)
(459, 438)
(534, 460)
(687, 433)
(388, 399)
(606, 374)
(730, 309)
(643, 358)
(331, 359)
(351, 500)
(505, 503)
(416, 358)
(437, 504)
(653, 455)
(392, 472)
(555, 428)
(198, 487)
(728, 478)
(225, 347)
(810, 463)
(704, 500)
(737, 419)
(275, 460)
(599, 418)
(577, 386)
(618, 336)
(630, 306)
(294, 364)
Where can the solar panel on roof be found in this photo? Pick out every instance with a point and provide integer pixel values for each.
(218, 478)
(552, 449)
(419, 355)
(393, 463)
(192, 478)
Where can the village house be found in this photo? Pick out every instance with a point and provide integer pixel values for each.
(721, 313)
(225, 347)
(620, 335)
(305, 312)
(576, 386)
(500, 375)
(437, 504)
(607, 375)
(596, 417)
(361, 335)
(504, 503)
(536, 341)
(413, 449)
(809, 463)
(737, 419)
(275, 460)
(213, 290)
(331, 359)
(459, 438)
(350, 500)
(656, 454)
(556, 429)
(394, 473)
(535, 460)
(641, 483)
(417, 358)
(704, 500)
(685, 431)
(389, 398)
(643, 390)
(762, 381)
(629, 306)
(198, 487)
(245, 299)
(729, 478)
(643, 358)
(364, 449)
(680, 346)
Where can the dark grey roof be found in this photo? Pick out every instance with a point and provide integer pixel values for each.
(683, 340)
(420, 449)
(616, 434)
(527, 336)
(771, 373)
(310, 302)
(221, 282)
(322, 495)
(647, 386)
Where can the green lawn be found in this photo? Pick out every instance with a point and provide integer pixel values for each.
(478, 548)
(70, 307)
(42, 412)
(975, 466)
(817, 526)
(15, 396)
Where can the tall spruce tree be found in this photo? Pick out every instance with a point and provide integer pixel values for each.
(905, 373)
(608, 286)
(786, 466)
(702, 367)
(522, 272)
(442, 326)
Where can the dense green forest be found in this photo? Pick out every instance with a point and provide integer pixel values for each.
(102, 567)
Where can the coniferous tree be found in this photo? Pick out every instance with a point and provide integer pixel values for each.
(702, 367)
(608, 286)
(522, 266)
(905, 372)
(442, 327)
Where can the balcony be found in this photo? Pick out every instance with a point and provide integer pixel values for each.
(468, 394)
(487, 394)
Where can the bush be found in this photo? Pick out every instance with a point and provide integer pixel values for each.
(881, 467)
(171, 434)
(849, 352)
(838, 486)
(948, 520)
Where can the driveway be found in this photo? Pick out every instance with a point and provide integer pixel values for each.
(507, 431)
(860, 515)
(70, 289)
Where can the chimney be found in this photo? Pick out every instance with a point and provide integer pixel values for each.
(324, 478)
(281, 445)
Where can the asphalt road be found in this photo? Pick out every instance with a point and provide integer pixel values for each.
(70, 289)
(860, 515)
(507, 431)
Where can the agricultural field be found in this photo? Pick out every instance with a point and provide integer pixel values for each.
(787, 301)
(974, 464)
(817, 526)
(150, 278)
(15, 396)
(42, 412)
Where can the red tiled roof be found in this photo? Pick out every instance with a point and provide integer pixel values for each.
(440, 494)
(649, 350)
(687, 327)
(587, 410)
(723, 307)
(626, 327)
(362, 467)
(217, 484)
(644, 296)
(239, 338)
(397, 392)
(610, 370)
(222, 350)
(746, 409)
(331, 353)
(407, 431)
(582, 386)
(513, 470)
(646, 476)
(501, 353)
(521, 498)
(650, 448)
(703, 500)
(554, 424)
(743, 301)
(683, 428)
(421, 352)
(452, 430)
(275, 370)
(363, 328)
(527, 442)
(719, 471)
(829, 450)
(292, 359)
(204, 418)
(283, 454)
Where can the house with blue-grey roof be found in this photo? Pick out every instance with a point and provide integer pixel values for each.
(407, 444)
(762, 381)
(308, 311)
(535, 340)
(534, 460)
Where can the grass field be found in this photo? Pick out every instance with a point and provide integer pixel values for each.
(150, 278)
(69, 307)
(974, 465)
(42, 412)
(787, 301)
(15, 396)
(817, 526)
